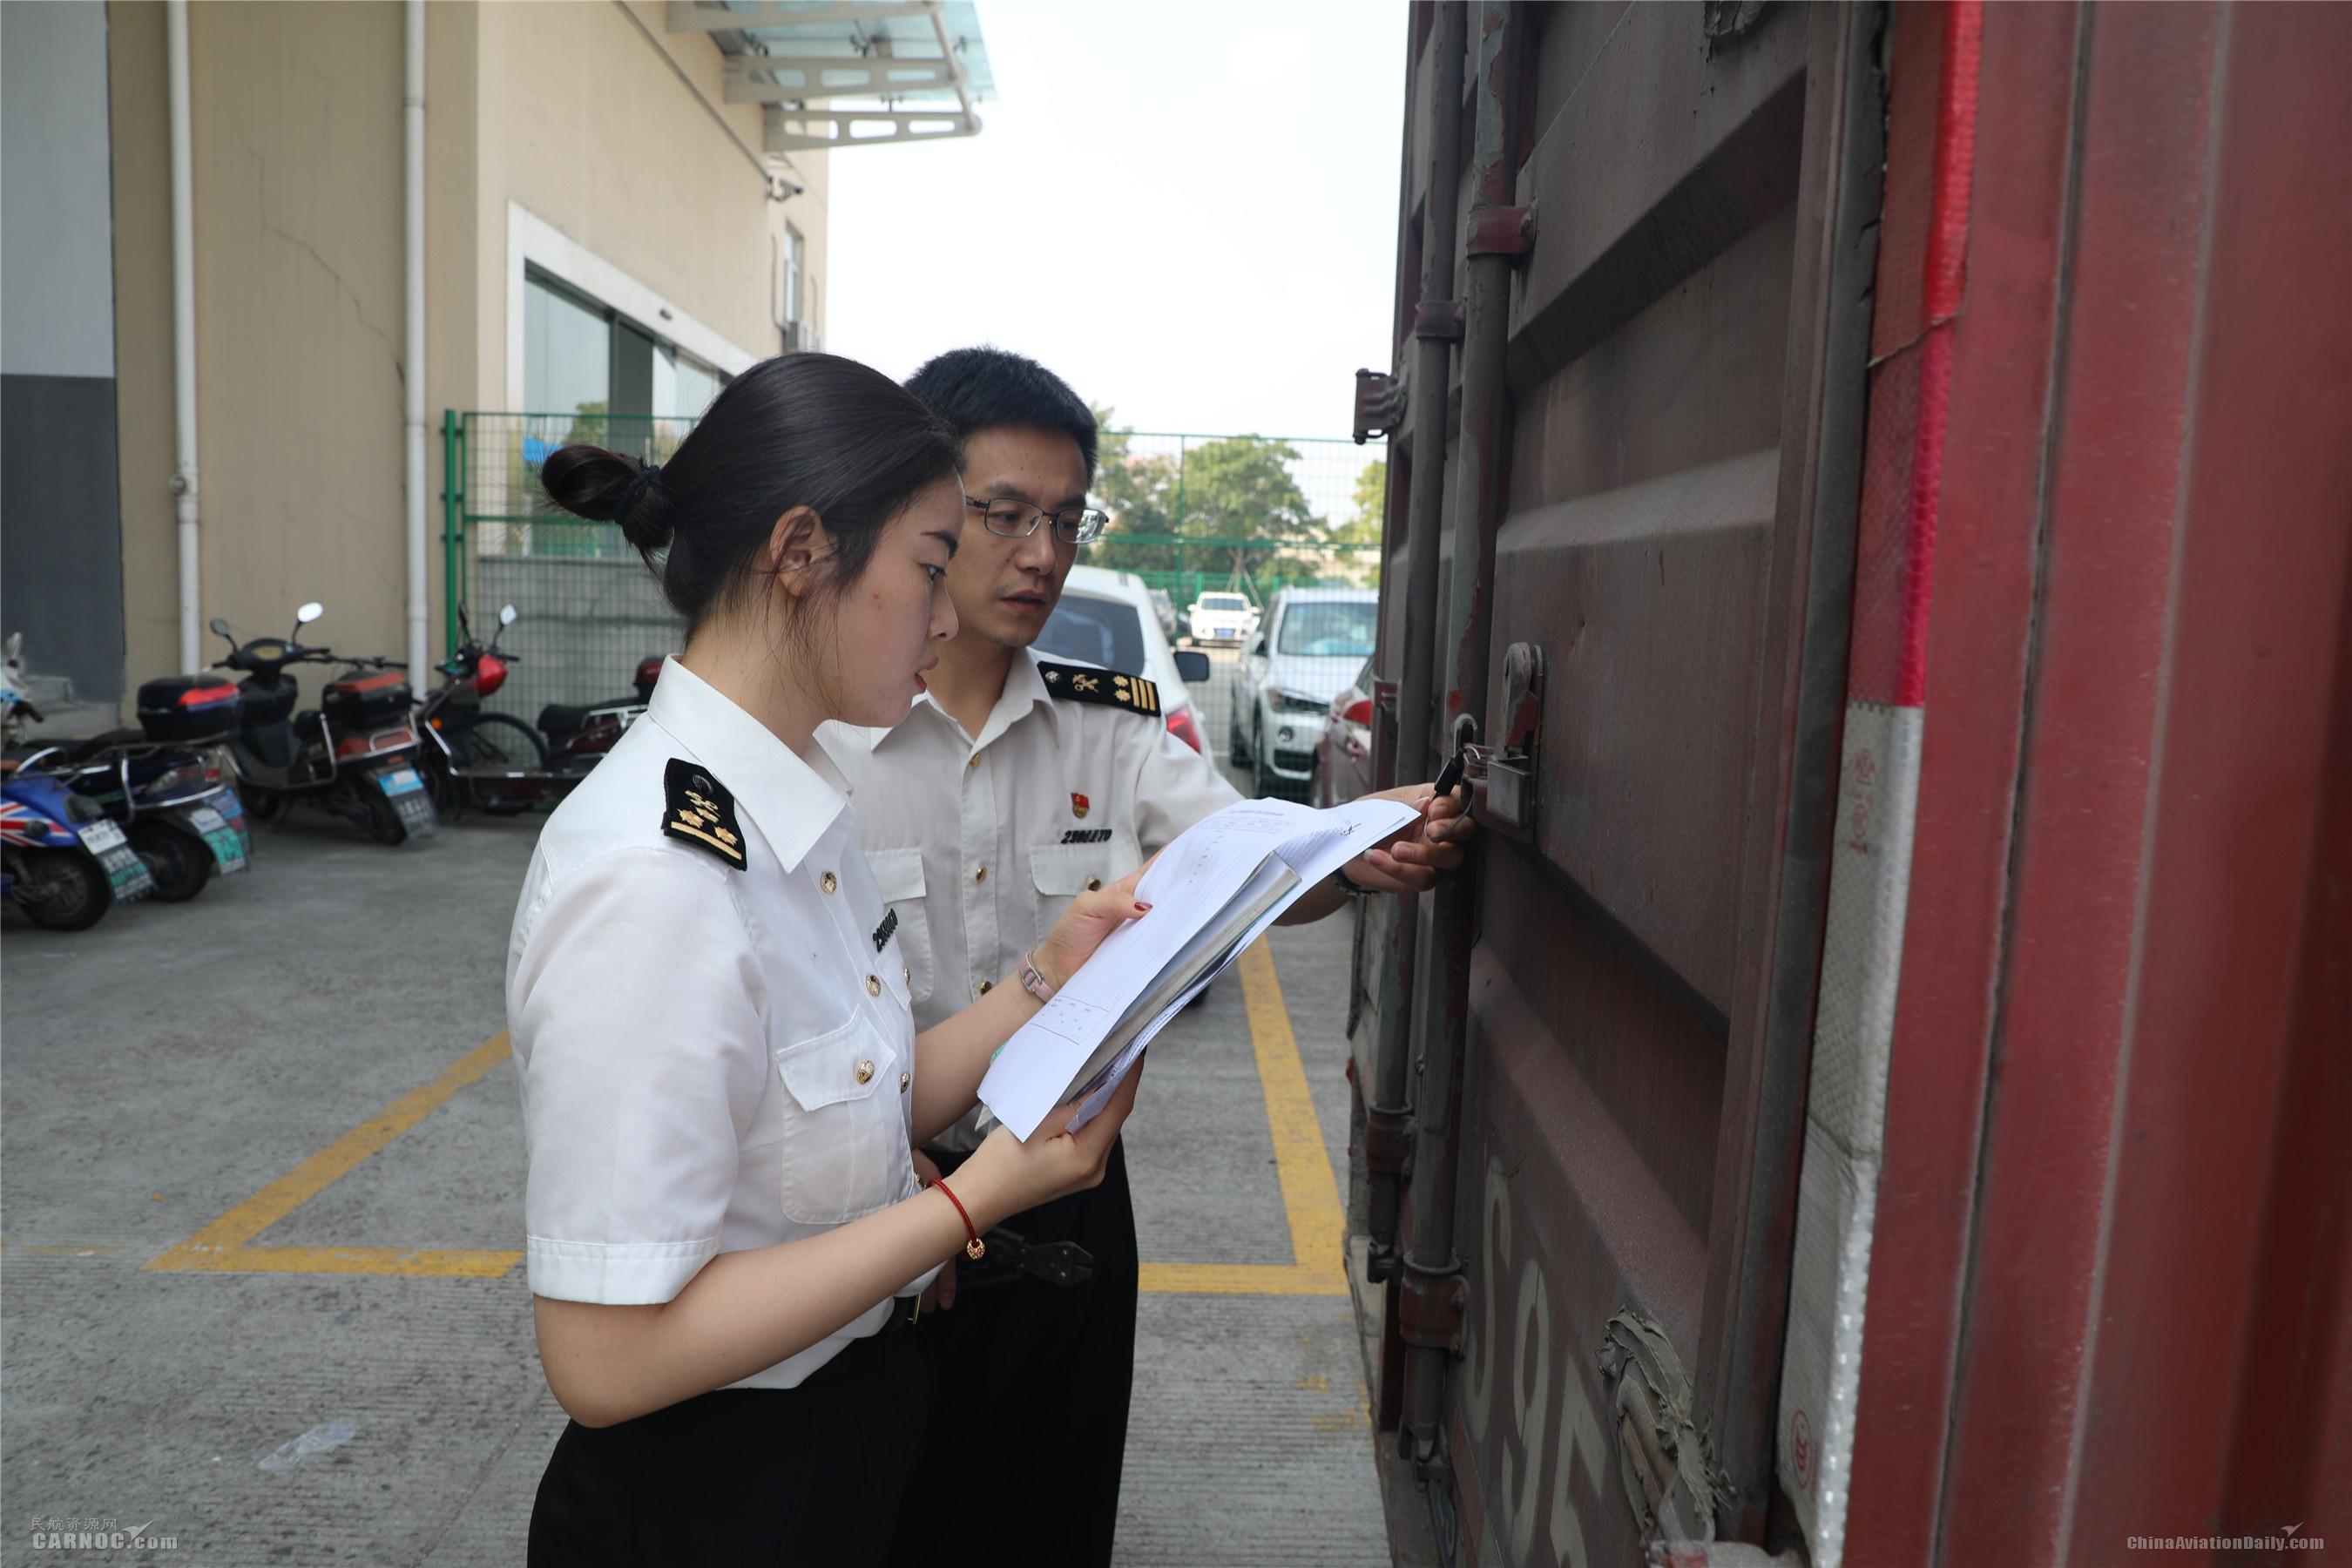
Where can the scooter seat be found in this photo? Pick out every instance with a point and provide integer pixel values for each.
(564, 719)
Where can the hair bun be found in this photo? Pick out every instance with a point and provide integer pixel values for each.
(607, 486)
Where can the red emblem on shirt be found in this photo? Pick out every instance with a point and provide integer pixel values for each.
(1077, 803)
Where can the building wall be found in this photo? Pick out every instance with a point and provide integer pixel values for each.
(585, 125)
(60, 559)
(565, 108)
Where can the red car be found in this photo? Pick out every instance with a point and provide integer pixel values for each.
(1343, 755)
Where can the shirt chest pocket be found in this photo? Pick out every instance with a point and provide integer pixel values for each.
(842, 1138)
(899, 874)
(1060, 872)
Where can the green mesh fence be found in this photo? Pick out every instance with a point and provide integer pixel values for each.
(1193, 514)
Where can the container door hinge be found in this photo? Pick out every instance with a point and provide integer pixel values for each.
(1379, 404)
(1432, 1304)
(1501, 231)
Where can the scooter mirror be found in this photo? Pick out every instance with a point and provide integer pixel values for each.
(220, 629)
(507, 617)
(308, 613)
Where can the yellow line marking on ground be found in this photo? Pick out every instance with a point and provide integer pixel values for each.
(223, 1246)
(65, 1251)
(1310, 1194)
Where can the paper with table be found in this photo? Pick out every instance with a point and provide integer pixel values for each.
(1212, 892)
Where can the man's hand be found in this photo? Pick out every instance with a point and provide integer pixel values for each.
(939, 1296)
(1410, 861)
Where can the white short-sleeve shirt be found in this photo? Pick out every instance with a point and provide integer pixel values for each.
(981, 842)
(709, 1004)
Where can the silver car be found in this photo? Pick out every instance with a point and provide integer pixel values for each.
(1315, 641)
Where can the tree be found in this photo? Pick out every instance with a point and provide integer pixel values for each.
(1234, 496)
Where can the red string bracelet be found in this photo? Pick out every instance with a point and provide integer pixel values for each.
(974, 1247)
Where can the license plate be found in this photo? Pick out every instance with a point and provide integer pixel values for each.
(416, 813)
(125, 872)
(100, 837)
(399, 782)
(227, 843)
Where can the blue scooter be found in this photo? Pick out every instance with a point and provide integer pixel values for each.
(61, 861)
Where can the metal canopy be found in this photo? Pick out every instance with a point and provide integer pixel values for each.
(848, 73)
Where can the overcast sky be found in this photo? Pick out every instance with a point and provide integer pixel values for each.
(1187, 210)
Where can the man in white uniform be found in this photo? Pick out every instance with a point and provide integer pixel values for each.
(1013, 784)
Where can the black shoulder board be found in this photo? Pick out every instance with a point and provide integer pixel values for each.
(1080, 684)
(700, 811)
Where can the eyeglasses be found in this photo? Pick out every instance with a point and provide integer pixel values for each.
(1011, 519)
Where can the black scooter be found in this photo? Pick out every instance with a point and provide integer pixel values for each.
(354, 755)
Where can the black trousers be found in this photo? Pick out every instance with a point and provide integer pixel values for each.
(811, 1475)
(1028, 1421)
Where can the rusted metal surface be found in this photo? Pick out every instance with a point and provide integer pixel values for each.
(2190, 582)
(1623, 1136)
(1408, 658)
(1499, 231)
(1438, 319)
(1480, 472)
(2109, 1284)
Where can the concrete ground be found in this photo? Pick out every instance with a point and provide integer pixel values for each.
(262, 1183)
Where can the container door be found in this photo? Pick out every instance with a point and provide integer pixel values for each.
(1687, 345)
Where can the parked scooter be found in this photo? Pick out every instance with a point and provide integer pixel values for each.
(354, 755)
(60, 860)
(161, 783)
(491, 762)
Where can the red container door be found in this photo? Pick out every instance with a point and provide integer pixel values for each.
(1687, 348)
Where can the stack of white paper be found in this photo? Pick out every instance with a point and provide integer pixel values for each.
(1212, 893)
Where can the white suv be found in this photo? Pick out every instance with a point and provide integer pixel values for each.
(1315, 640)
(1222, 618)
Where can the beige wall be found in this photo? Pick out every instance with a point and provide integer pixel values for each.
(585, 124)
(297, 132)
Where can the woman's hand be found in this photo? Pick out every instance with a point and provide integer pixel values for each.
(1409, 861)
(1005, 1176)
(1090, 918)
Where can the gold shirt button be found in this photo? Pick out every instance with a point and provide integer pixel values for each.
(986, 985)
(873, 988)
(904, 1079)
(906, 975)
(865, 1072)
(828, 881)
(1094, 884)
(981, 875)
(975, 760)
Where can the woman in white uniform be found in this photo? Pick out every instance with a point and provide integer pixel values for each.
(721, 1079)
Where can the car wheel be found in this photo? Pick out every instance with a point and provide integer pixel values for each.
(1261, 779)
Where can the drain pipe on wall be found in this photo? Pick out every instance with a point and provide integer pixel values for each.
(1436, 326)
(412, 101)
(183, 337)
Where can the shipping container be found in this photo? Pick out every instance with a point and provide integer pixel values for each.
(1869, 500)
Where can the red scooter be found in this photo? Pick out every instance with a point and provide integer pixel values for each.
(493, 763)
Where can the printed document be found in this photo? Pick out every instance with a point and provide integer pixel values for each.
(1212, 892)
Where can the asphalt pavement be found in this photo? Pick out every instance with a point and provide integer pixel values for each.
(261, 1299)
